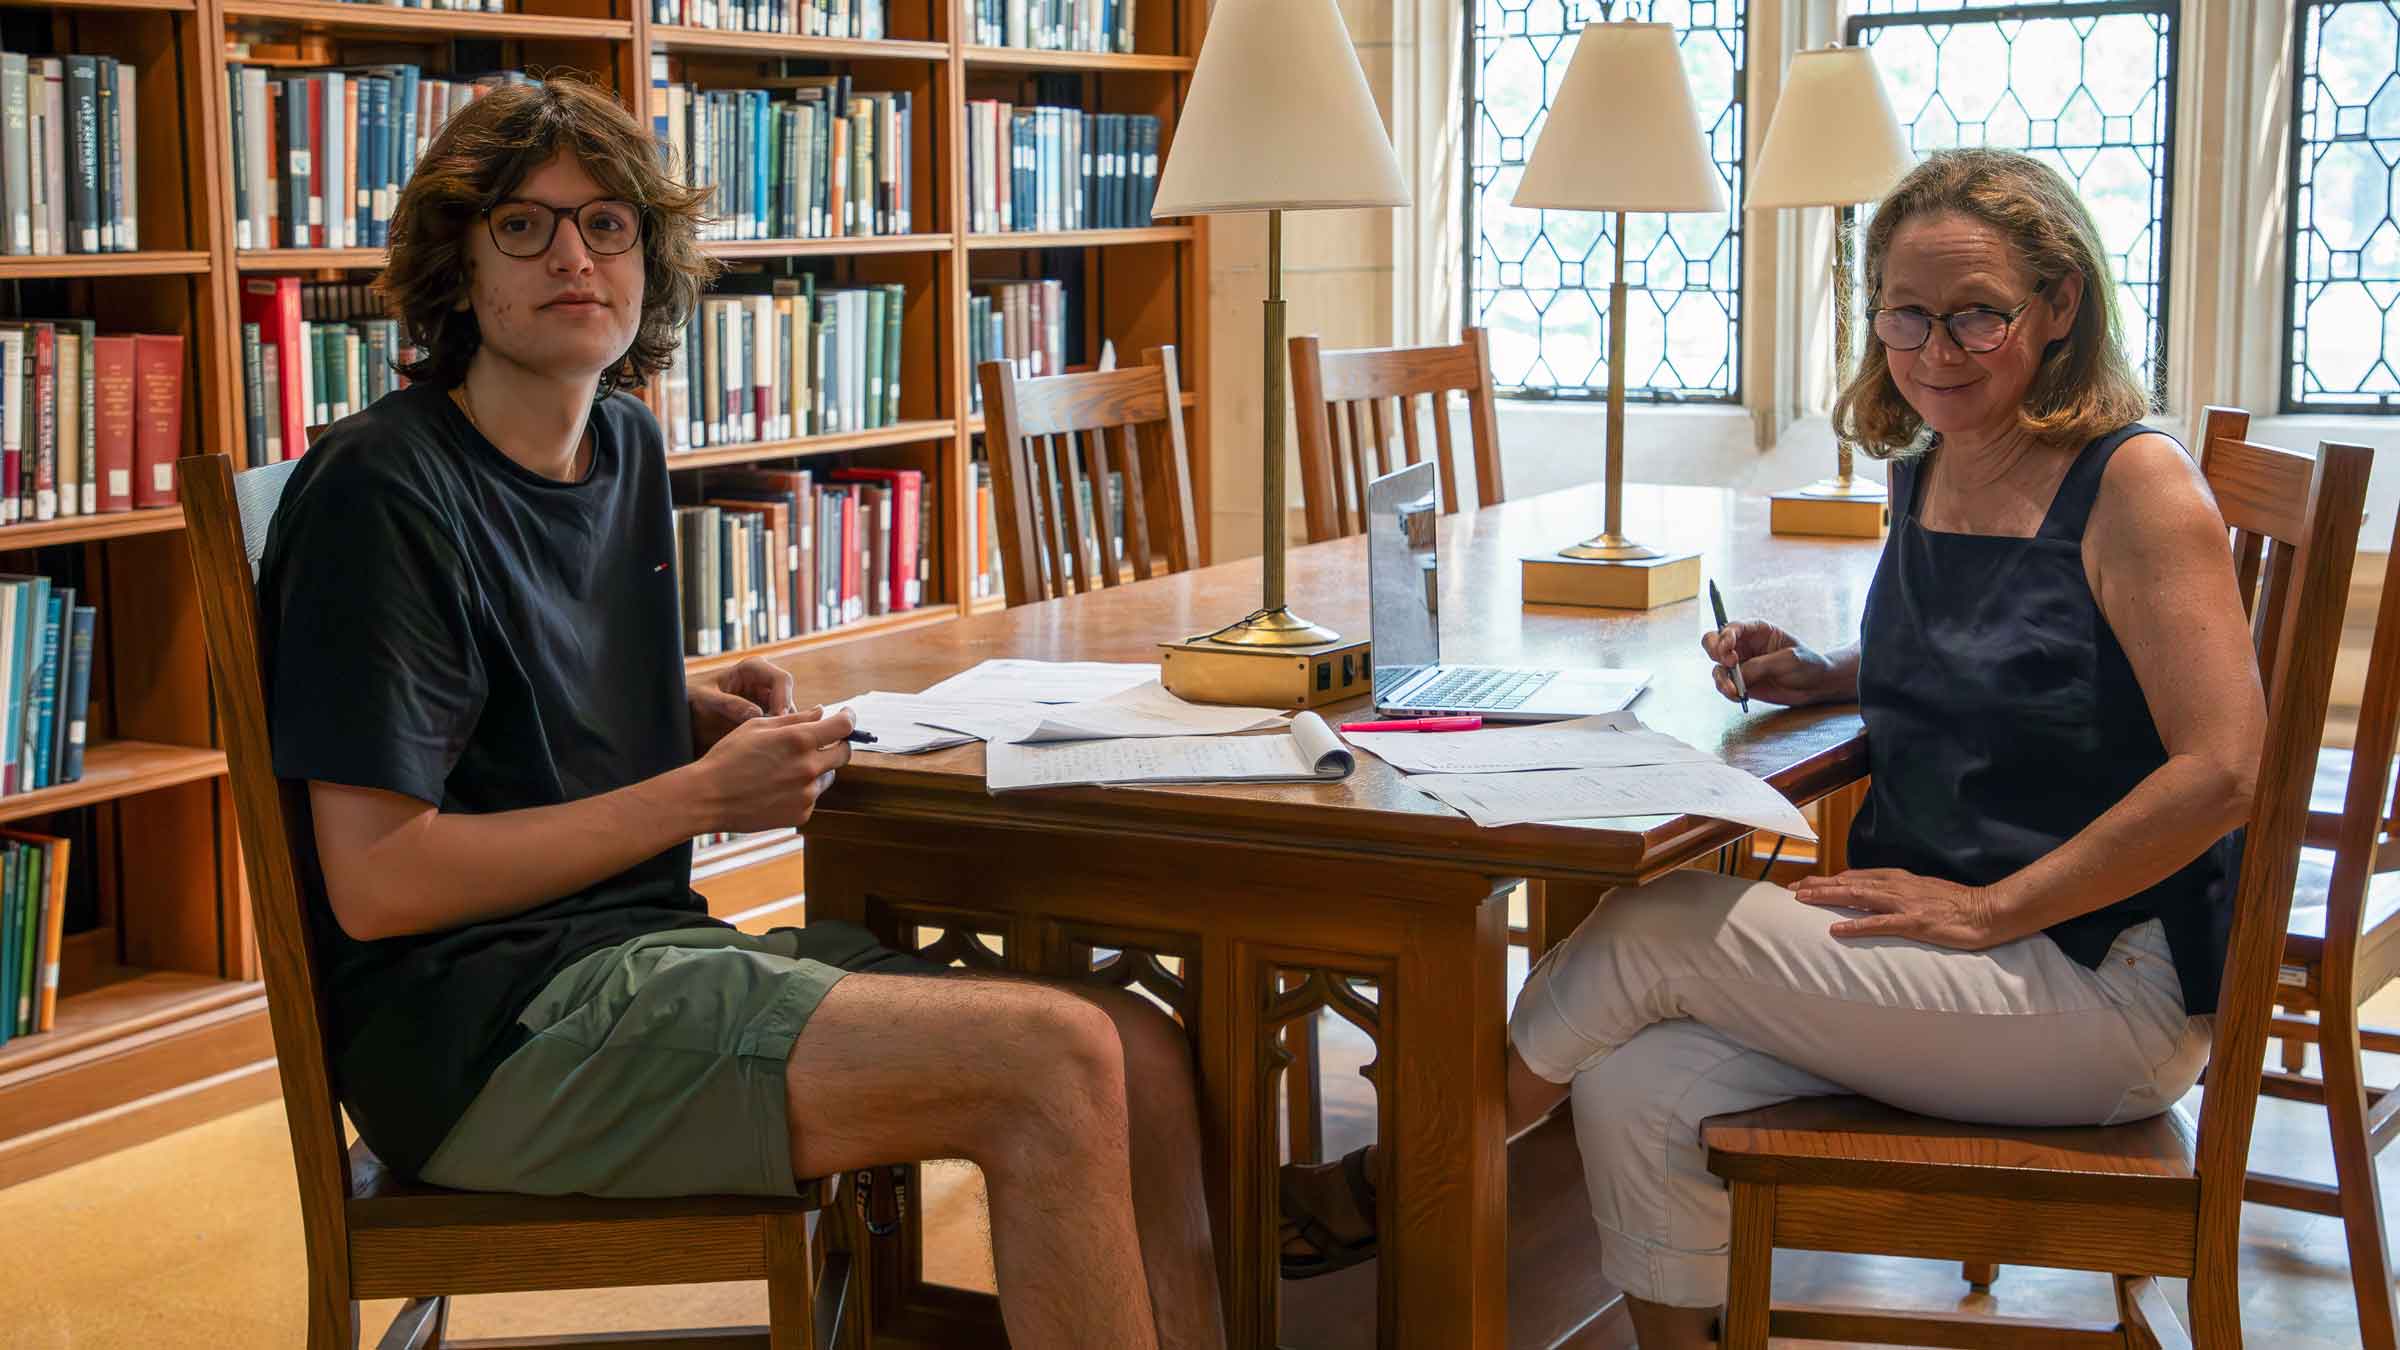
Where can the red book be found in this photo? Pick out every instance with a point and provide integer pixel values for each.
(40, 471)
(853, 602)
(158, 417)
(907, 486)
(113, 418)
(273, 303)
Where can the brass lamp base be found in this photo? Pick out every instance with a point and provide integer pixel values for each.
(1854, 515)
(1203, 671)
(1277, 627)
(1850, 486)
(1611, 583)
(1606, 547)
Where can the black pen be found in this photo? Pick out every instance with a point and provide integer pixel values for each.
(860, 738)
(1741, 690)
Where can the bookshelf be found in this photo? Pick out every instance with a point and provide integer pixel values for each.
(161, 1017)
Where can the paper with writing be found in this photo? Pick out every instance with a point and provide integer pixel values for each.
(906, 724)
(1615, 741)
(1715, 790)
(1144, 710)
(1310, 753)
(1044, 681)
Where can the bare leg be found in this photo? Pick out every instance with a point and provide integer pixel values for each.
(1024, 1081)
(1659, 1327)
(1531, 1097)
(1169, 1205)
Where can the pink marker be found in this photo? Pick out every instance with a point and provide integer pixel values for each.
(1419, 724)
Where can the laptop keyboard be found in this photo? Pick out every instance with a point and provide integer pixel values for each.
(1481, 689)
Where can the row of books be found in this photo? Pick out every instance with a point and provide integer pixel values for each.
(319, 156)
(773, 554)
(90, 422)
(1021, 322)
(312, 354)
(67, 162)
(771, 358)
(1055, 25)
(485, 6)
(809, 158)
(33, 912)
(804, 18)
(984, 543)
(45, 683)
(1050, 168)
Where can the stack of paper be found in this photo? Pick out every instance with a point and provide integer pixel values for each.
(1618, 740)
(1718, 791)
(1311, 753)
(1035, 702)
(1044, 681)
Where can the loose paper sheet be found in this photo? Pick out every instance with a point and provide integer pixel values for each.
(1617, 740)
(1144, 710)
(1044, 681)
(1557, 795)
(906, 724)
(1311, 753)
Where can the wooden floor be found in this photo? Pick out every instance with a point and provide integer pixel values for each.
(194, 1240)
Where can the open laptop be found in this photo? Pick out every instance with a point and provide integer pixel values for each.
(1411, 677)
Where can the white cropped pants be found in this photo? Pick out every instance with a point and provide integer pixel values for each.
(1702, 994)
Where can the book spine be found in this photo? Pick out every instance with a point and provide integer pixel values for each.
(45, 695)
(128, 160)
(83, 113)
(16, 155)
(42, 461)
(79, 690)
(54, 913)
(158, 429)
(104, 79)
(113, 376)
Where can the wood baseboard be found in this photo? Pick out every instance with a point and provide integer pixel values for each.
(135, 1122)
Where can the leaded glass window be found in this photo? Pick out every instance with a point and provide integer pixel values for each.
(1539, 280)
(2343, 343)
(2089, 87)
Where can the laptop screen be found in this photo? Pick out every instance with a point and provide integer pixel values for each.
(1403, 579)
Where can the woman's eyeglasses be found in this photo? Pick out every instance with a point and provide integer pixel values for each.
(1977, 329)
(523, 229)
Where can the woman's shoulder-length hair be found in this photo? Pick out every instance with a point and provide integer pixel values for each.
(2085, 387)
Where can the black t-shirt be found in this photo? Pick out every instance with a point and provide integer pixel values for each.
(440, 621)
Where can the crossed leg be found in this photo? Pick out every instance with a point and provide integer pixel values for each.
(1078, 1106)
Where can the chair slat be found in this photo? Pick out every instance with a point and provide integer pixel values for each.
(1359, 468)
(1442, 455)
(1383, 437)
(1103, 519)
(1070, 487)
(1137, 506)
(1408, 429)
(1342, 476)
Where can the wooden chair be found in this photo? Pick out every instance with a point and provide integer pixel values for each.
(2341, 946)
(1342, 398)
(1050, 438)
(2137, 1201)
(371, 1234)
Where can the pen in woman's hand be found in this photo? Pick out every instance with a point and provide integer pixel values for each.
(1741, 690)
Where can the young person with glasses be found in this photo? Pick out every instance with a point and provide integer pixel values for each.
(2063, 719)
(476, 669)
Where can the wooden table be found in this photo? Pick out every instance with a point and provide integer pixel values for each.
(1268, 903)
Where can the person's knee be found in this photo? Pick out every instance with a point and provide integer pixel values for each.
(1065, 1075)
(1153, 1041)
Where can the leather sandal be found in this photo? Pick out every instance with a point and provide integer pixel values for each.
(1332, 1253)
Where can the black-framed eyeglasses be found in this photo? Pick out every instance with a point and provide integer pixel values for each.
(523, 229)
(1977, 329)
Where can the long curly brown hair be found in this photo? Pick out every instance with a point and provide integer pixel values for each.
(2085, 386)
(482, 154)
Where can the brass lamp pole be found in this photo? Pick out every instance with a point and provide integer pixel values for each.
(1611, 545)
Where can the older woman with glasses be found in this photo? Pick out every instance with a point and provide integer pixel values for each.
(2064, 719)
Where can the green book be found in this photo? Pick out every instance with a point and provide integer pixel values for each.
(872, 414)
(9, 891)
(891, 352)
(30, 907)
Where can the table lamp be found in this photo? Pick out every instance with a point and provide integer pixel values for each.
(1278, 118)
(1622, 135)
(1833, 142)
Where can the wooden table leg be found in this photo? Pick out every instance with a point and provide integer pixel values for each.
(1555, 908)
(1445, 1210)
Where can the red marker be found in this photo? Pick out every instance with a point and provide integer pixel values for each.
(1419, 724)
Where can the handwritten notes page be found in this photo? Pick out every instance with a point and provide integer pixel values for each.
(1617, 740)
(1311, 753)
(1044, 681)
(1708, 789)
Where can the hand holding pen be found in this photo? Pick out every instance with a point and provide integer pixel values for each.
(1741, 687)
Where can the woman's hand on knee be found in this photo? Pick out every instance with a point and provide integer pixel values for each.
(1904, 905)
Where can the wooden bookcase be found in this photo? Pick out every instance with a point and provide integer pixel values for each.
(161, 1017)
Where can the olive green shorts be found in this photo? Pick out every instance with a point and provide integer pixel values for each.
(656, 1067)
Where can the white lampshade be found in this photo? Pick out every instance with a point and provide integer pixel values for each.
(1834, 141)
(1279, 118)
(1623, 134)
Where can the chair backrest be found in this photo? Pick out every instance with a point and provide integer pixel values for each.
(2294, 523)
(1052, 439)
(1346, 437)
(225, 520)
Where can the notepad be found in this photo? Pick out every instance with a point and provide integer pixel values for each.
(1310, 752)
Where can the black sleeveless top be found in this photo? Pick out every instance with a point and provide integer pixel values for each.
(2003, 718)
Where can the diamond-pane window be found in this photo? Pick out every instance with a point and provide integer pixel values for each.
(1539, 279)
(2342, 342)
(2089, 88)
